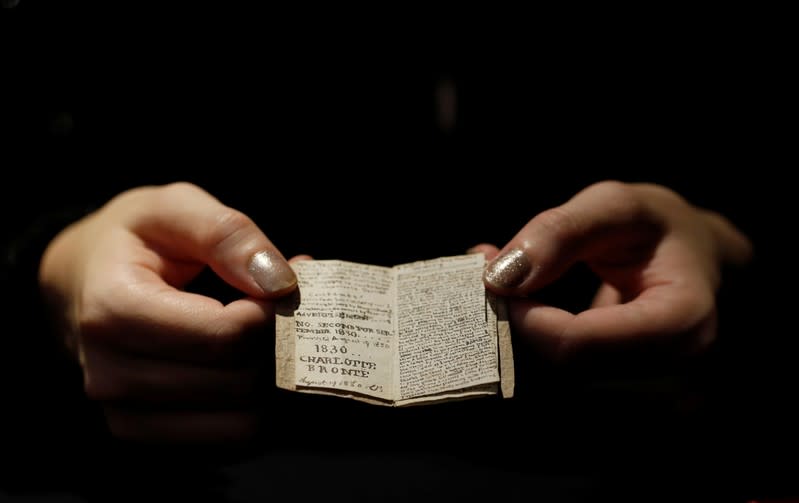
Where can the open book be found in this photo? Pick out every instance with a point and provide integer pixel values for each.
(414, 333)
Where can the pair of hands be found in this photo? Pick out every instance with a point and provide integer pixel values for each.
(169, 365)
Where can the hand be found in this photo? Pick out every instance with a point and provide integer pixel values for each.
(658, 257)
(166, 365)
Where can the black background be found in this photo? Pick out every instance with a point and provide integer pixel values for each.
(310, 130)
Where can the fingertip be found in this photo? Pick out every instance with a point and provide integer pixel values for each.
(272, 273)
(508, 271)
(488, 250)
(300, 258)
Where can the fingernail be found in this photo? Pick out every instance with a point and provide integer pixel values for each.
(508, 270)
(271, 272)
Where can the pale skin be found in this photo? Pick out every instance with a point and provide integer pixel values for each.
(659, 258)
(166, 365)
(173, 366)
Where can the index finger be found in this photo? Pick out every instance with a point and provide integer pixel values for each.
(156, 320)
(667, 320)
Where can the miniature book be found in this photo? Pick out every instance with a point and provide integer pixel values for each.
(415, 333)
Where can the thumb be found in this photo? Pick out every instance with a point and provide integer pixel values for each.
(185, 223)
(607, 219)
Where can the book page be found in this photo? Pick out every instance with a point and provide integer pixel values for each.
(442, 334)
(344, 337)
(339, 333)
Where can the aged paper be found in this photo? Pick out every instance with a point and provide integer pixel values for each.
(441, 327)
(419, 332)
(344, 336)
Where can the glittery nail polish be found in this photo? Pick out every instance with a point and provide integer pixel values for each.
(271, 271)
(508, 270)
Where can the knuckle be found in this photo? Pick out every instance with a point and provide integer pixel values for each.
(558, 222)
(102, 311)
(94, 319)
(633, 205)
(166, 196)
(181, 188)
(230, 226)
(623, 195)
(612, 188)
(158, 196)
